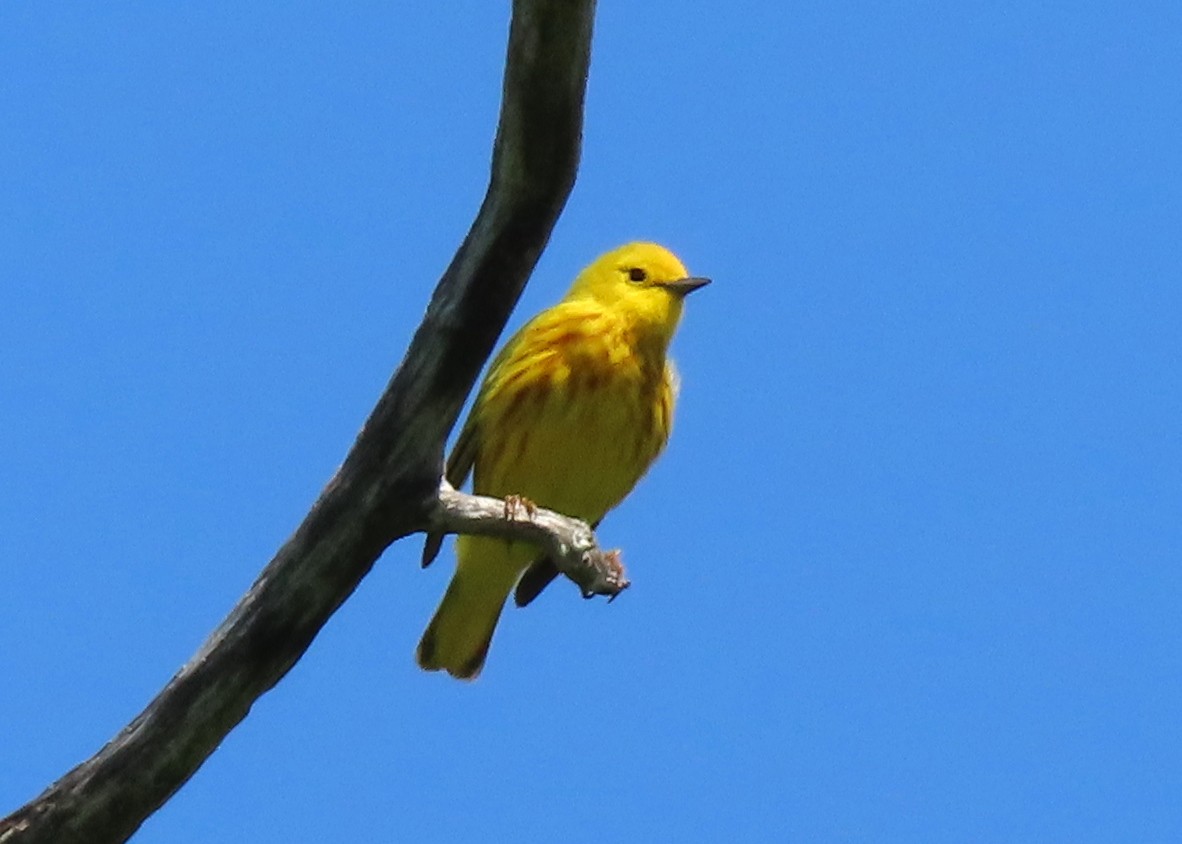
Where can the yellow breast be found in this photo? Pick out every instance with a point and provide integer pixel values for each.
(573, 413)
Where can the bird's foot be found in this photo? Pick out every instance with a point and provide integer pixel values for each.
(516, 504)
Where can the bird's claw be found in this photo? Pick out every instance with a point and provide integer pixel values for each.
(515, 504)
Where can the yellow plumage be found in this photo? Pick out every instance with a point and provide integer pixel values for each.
(572, 412)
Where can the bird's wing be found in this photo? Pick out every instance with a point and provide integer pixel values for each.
(537, 577)
(463, 455)
(459, 466)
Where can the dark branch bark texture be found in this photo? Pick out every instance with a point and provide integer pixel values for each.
(388, 484)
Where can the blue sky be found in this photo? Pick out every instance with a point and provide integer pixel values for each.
(909, 570)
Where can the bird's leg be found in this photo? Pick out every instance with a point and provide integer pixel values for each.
(517, 503)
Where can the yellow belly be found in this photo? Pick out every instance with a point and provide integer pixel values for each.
(577, 444)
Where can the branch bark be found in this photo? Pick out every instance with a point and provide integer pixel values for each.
(388, 485)
(570, 543)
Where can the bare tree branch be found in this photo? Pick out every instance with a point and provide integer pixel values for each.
(570, 543)
(388, 484)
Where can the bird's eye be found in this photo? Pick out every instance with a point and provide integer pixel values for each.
(637, 274)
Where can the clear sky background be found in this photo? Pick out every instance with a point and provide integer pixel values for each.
(910, 567)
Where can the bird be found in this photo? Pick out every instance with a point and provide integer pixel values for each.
(572, 412)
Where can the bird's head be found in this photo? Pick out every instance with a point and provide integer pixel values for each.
(643, 281)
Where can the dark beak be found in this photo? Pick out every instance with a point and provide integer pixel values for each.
(685, 286)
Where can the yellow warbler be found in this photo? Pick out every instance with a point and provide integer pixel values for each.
(572, 412)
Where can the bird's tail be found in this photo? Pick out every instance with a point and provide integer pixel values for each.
(460, 632)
